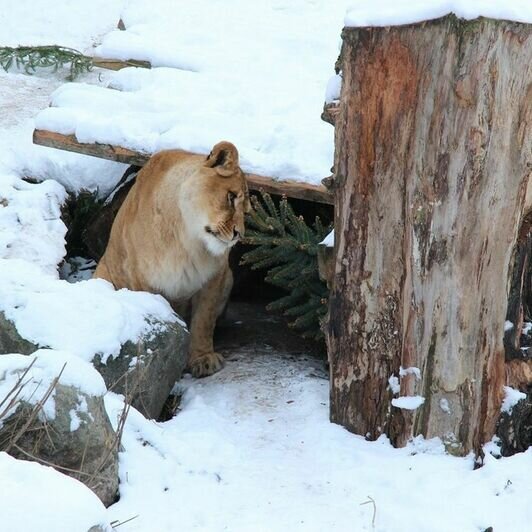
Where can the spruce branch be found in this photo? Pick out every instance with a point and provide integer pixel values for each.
(287, 248)
(33, 57)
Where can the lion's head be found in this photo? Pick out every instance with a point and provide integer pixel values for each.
(216, 198)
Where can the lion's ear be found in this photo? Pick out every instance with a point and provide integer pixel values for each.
(223, 158)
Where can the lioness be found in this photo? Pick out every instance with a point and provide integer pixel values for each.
(172, 236)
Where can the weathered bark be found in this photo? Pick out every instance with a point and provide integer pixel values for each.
(432, 164)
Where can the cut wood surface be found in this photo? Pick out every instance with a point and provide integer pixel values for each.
(433, 161)
(291, 189)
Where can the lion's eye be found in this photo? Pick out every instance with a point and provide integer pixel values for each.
(231, 197)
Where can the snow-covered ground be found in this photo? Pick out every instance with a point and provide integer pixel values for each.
(252, 448)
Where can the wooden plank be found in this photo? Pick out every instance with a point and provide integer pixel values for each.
(292, 189)
(52, 139)
(118, 64)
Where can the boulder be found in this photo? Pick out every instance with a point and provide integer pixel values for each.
(56, 416)
(145, 371)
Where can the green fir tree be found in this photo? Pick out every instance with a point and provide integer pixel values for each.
(287, 247)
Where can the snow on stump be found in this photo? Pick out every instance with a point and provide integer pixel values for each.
(145, 371)
(432, 168)
(52, 411)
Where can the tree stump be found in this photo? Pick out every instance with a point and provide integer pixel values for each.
(432, 164)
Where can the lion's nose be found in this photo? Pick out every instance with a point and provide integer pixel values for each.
(236, 234)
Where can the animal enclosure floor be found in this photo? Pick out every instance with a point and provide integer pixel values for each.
(252, 449)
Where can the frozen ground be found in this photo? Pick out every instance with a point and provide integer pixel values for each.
(251, 448)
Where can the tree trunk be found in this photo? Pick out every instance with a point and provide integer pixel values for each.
(432, 164)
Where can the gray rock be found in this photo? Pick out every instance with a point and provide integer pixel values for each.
(79, 441)
(10, 339)
(145, 371)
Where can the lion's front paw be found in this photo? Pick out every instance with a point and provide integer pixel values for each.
(205, 364)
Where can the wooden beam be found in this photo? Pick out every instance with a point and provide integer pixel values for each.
(292, 189)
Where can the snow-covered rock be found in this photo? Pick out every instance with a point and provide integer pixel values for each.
(146, 370)
(71, 430)
(511, 398)
(515, 425)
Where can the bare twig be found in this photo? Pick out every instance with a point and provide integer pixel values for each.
(371, 501)
(116, 524)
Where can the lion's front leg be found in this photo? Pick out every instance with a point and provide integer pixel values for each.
(207, 305)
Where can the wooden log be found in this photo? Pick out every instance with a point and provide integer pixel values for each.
(291, 189)
(433, 160)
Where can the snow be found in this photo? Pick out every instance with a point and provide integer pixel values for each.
(328, 240)
(36, 23)
(31, 229)
(21, 96)
(36, 497)
(265, 457)
(508, 326)
(393, 382)
(511, 398)
(410, 402)
(403, 372)
(395, 13)
(83, 318)
(332, 91)
(75, 420)
(444, 405)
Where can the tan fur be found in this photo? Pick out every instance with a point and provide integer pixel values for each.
(172, 237)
